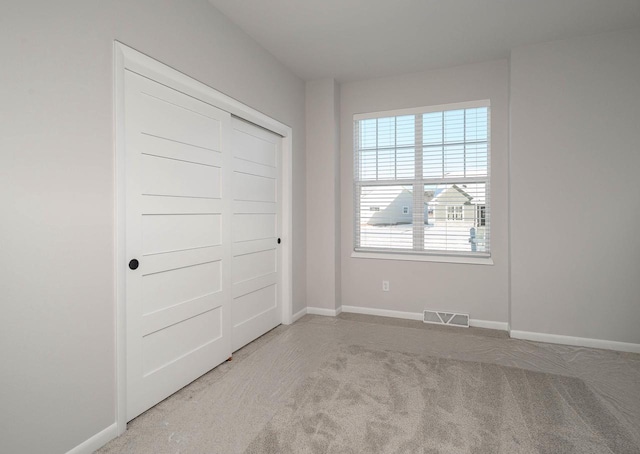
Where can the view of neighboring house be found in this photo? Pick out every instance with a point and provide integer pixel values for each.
(386, 205)
(393, 205)
(455, 204)
(454, 217)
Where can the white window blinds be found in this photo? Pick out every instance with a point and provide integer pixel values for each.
(421, 182)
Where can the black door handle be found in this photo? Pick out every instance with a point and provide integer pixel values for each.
(278, 240)
(133, 264)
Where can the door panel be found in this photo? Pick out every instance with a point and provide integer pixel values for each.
(162, 147)
(245, 287)
(161, 262)
(251, 144)
(258, 188)
(255, 226)
(180, 205)
(257, 302)
(168, 288)
(175, 314)
(254, 264)
(168, 176)
(179, 118)
(253, 168)
(165, 346)
(179, 228)
(256, 306)
(173, 232)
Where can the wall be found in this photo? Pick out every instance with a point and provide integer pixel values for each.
(323, 192)
(480, 290)
(575, 206)
(57, 385)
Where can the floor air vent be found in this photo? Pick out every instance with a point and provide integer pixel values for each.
(446, 318)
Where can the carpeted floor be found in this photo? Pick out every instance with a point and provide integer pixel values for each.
(362, 384)
(367, 400)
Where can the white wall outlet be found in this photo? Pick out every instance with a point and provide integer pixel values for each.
(385, 286)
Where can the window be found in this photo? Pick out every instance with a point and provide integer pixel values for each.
(434, 161)
(481, 216)
(454, 213)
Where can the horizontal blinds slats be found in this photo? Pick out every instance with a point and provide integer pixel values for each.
(453, 184)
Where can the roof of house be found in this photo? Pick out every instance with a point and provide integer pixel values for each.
(439, 193)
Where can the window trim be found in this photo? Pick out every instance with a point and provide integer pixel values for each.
(478, 258)
(423, 257)
(423, 110)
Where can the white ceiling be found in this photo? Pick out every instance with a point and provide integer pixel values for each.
(359, 39)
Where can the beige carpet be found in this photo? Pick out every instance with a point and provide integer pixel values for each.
(227, 409)
(368, 400)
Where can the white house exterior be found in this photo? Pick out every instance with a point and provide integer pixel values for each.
(393, 205)
(386, 205)
(452, 204)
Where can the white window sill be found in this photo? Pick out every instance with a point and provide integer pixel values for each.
(423, 258)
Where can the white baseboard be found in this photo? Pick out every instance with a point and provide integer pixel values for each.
(298, 315)
(323, 311)
(382, 312)
(576, 341)
(502, 326)
(97, 441)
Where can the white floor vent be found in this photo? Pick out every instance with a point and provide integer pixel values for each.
(446, 318)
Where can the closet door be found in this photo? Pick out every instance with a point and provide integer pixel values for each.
(178, 240)
(256, 305)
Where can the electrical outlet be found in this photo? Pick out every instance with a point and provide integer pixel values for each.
(385, 286)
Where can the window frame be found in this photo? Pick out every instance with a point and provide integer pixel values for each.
(455, 213)
(423, 255)
(481, 215)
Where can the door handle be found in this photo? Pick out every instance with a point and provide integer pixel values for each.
(278, 240)
(133, 264)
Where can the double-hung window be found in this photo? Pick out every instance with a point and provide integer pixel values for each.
(421, 180)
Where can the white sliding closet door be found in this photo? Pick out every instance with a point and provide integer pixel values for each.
(256, 306)
(178, 229)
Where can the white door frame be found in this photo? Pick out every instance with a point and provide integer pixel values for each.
(126, 58)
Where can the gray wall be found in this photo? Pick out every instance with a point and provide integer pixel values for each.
(323, 194)
(481, 290)
(57, 382)
(575, 189)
